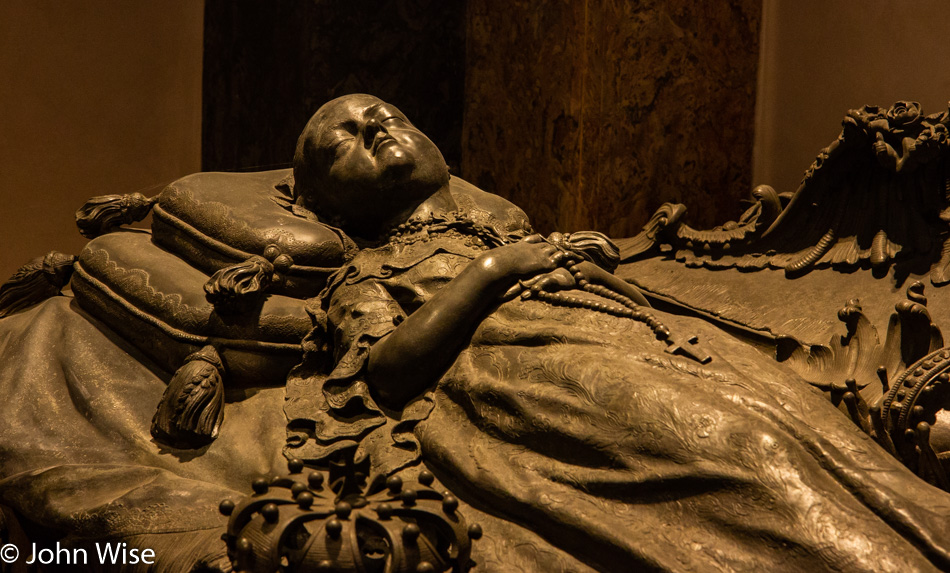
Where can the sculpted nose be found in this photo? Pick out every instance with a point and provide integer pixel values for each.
(370, 130)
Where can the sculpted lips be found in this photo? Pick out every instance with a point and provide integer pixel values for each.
(379, 141)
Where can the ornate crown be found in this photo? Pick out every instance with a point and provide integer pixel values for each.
(294, 523)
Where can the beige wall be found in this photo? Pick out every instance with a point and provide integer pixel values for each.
(96, 97)
(820, 58)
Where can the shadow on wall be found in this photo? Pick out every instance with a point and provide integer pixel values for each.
(97, 97)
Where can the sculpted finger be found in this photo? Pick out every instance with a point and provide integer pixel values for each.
(533, 239)
(565, 278)
(528, 283)
(549, 250)
(559, 279)
(559, 257)
(550, 283)
(550, 263)
(512, 292)
(545, 282)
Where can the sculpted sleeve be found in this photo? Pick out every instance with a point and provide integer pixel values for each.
(359, 315)
(337, 412)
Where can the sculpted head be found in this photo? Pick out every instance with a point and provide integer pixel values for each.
(360, 160)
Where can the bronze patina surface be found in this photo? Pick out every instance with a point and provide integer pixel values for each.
(470, 395)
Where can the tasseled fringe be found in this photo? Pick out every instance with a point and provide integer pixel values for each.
(40, 279)
(234, 288)
(103, 214)
(192, 407)
(593, 246)
(596, 248)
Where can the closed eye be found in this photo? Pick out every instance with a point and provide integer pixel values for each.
(340, 142)
(339, 147)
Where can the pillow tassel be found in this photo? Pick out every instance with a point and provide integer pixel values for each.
(234, 288)
(40, 279)
(192, 408)
(106, 213)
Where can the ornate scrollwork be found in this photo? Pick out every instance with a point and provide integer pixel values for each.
(896, 391)
(666, 230)
(878, 194)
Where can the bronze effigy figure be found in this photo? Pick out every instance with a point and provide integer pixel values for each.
(460, 392)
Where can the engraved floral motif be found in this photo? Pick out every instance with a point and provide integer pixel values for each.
(904, 114)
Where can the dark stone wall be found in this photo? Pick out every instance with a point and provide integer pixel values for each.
(590, 114)
(269, 65)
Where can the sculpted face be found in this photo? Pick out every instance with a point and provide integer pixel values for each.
(360, 159)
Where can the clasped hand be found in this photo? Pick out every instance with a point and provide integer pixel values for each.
(531, 262)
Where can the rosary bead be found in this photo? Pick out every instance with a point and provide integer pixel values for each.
(628, 309)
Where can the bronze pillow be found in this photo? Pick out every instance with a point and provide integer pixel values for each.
(214, 220)
(155, 300)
